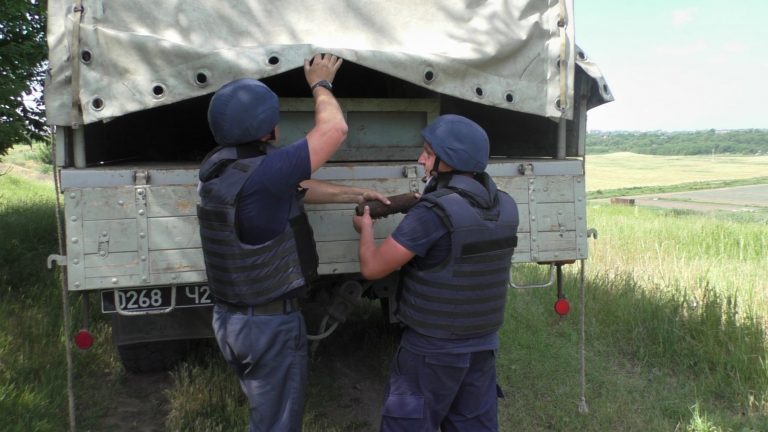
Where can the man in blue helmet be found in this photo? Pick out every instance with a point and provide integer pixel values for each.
(454, 249)
(257, 243)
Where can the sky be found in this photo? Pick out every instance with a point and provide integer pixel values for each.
(677, 65)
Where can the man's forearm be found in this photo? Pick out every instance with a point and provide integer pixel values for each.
(330, 128)
(319, 192)
(366, 251)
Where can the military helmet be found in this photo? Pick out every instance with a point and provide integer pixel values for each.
(459, 142)
(243, 111)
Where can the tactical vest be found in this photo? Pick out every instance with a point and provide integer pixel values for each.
(241, 273)
(466, 294)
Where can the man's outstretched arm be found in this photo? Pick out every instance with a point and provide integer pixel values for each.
(323, 192)
(330, 128)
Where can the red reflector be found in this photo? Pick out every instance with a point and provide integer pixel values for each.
(562, 307)
(83, 339)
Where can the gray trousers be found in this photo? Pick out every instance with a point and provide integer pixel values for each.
(269, 355)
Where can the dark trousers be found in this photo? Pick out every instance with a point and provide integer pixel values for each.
(269, 355)
(452, 392)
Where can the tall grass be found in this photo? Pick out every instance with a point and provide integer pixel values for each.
(675, 319)
(37, 156)
(698, 288)
(682, 251)
(33, 374)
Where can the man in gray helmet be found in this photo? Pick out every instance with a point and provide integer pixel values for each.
(454, 249)
(257, 243)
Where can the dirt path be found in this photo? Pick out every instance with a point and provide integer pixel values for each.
(140, 404)
(751, 198)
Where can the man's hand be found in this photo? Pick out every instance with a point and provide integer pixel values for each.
(321, 67)
(394, 204)
(363, 222)
(372, 195)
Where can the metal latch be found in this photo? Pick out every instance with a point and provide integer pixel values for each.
(412, 172)
(60, 260)
(525, 169)
(141, 177)
(103, 247)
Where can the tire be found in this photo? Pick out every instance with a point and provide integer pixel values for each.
(152, 356)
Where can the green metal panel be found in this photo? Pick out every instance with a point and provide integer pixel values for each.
(379, 129)
(171, 201)
(103, 237)
(174, 233)
(109, 203)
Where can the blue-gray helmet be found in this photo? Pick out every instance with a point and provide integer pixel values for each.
(243, 111)
(459, 142)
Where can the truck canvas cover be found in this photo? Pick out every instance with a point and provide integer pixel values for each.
(108, 59)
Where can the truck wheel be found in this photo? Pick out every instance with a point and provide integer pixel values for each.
(152, 356)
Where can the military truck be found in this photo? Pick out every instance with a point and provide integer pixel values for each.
(128, 89)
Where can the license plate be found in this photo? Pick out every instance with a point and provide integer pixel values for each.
(153, 299)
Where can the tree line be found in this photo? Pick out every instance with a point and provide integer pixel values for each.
(23, 52)
(704, 142)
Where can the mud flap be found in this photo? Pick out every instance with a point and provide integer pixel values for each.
(179, 324)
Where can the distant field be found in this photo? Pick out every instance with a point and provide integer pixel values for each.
(621, 170)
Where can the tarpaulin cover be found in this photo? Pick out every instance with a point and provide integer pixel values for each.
(135, 55)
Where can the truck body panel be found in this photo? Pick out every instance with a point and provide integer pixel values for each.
(128, 90)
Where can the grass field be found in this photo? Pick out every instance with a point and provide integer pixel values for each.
(675, 336)
(623, 170)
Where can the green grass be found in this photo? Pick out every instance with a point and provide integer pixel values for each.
(676, 319)
(622, 170)
(33, 374)
(37, 156)
(676, 314)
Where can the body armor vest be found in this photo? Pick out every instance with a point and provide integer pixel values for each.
(241, 273)
(466, 294)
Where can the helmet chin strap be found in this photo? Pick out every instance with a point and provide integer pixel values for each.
(434, 169)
